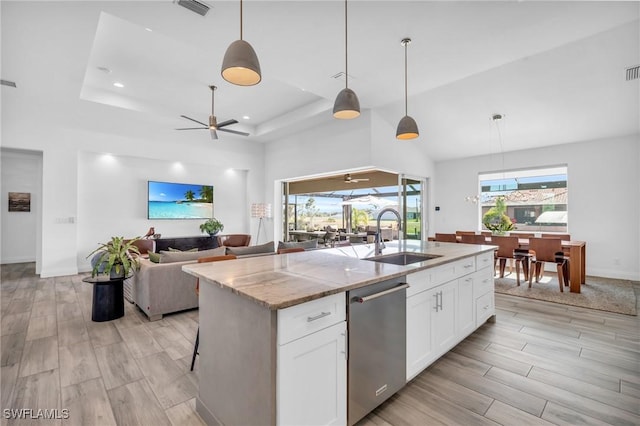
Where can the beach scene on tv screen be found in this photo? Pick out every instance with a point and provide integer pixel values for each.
(180, 201)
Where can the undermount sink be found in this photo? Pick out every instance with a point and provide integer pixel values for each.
(403, 258)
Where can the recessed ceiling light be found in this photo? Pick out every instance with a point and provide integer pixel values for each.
(120, 85)
(149, 29)
(245, 117)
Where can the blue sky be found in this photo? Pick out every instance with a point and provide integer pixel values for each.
(166, 191)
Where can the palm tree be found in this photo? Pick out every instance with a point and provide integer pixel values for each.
(206, 193)
(189, 195)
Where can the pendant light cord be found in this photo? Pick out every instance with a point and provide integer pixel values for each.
(346, 56)
(405, 79)
(240, 19)
(213, 90)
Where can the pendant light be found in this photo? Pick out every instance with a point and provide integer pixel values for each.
(347, 105)
(240, 65)
(407, 128)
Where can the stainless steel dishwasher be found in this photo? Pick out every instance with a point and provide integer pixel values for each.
(377, 345)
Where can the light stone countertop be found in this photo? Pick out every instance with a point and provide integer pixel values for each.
(284, 280)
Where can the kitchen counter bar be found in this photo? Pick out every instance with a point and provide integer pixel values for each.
(281, 281)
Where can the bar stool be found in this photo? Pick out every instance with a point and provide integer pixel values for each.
(205, 260)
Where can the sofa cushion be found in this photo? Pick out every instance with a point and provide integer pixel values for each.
(310, 244)
(181, 256)
(154, 257)
(174, 249)
(263, 248)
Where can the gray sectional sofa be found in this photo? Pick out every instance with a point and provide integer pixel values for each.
(162, 288)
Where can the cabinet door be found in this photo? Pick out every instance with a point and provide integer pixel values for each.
(419, 346)
(466, 305)
(443, 320)
(312, 379)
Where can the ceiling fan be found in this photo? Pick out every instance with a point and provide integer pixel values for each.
(349, 179)
(213, 125)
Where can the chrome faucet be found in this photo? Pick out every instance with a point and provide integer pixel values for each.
(379, 244)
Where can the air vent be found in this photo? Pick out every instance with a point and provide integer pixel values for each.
(194, 6)
(633, 73)
(7, 83)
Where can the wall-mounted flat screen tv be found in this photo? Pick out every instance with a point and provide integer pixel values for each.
(167, 200)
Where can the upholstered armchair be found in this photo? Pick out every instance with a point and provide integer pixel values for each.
(234, 240)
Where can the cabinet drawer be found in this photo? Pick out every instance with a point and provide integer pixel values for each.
(484, 308)
(483, 282)
(453, 270)
(485, 260)
(420, 281)
(306, 318)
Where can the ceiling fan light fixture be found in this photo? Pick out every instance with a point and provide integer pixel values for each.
(407, 127)
(240, 65)
(347, 105)
(213, 122)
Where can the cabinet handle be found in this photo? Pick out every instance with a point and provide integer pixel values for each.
(320, 315)
(469, 265)
(469, 279)
(441, 299)
(346, 345)
(436, 296)
(402, 286)
(486, 307)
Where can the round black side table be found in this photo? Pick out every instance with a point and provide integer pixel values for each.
(108, 298)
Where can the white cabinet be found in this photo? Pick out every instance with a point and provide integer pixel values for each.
(444, 305)
(311, 384)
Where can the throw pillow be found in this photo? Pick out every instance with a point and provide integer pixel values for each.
(154, 257)
(174, 249)
(181, 256)
(262, 248)
(310, 244)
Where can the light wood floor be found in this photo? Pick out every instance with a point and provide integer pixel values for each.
(540, 363)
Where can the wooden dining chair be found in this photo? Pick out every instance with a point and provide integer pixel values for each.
(473, 239)
(290, 250)
(446, 238)
(563, 237)
(506, 251)
(548, 250)
(205, 260)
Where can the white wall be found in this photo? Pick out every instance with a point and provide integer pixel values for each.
(604, 197)
(63, 244)
(114, 211)
(339, 145)
(21, 172)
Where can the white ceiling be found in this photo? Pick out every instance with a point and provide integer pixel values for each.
(554, 70)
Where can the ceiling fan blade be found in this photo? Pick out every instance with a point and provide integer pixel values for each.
(199, 122)
(214, 134)
(227, 123)
(194, 128)
(233, 131)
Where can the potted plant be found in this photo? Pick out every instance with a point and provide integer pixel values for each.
(212, 226)
(116, 258)
(496, 219)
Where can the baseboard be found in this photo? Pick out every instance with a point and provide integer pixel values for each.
(24, 259)
(49, 273)
(615, 273)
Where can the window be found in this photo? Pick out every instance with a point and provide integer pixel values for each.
(536, 199)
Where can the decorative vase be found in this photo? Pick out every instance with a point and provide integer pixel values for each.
(213, 234)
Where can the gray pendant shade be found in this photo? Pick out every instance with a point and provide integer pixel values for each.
(347, 105)
(240, 65)
(407, 128)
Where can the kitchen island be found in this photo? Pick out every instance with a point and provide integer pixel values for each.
(273, 329)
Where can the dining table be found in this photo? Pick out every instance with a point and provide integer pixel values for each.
(576, 251)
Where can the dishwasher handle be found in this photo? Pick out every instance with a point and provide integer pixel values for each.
(364, 299)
